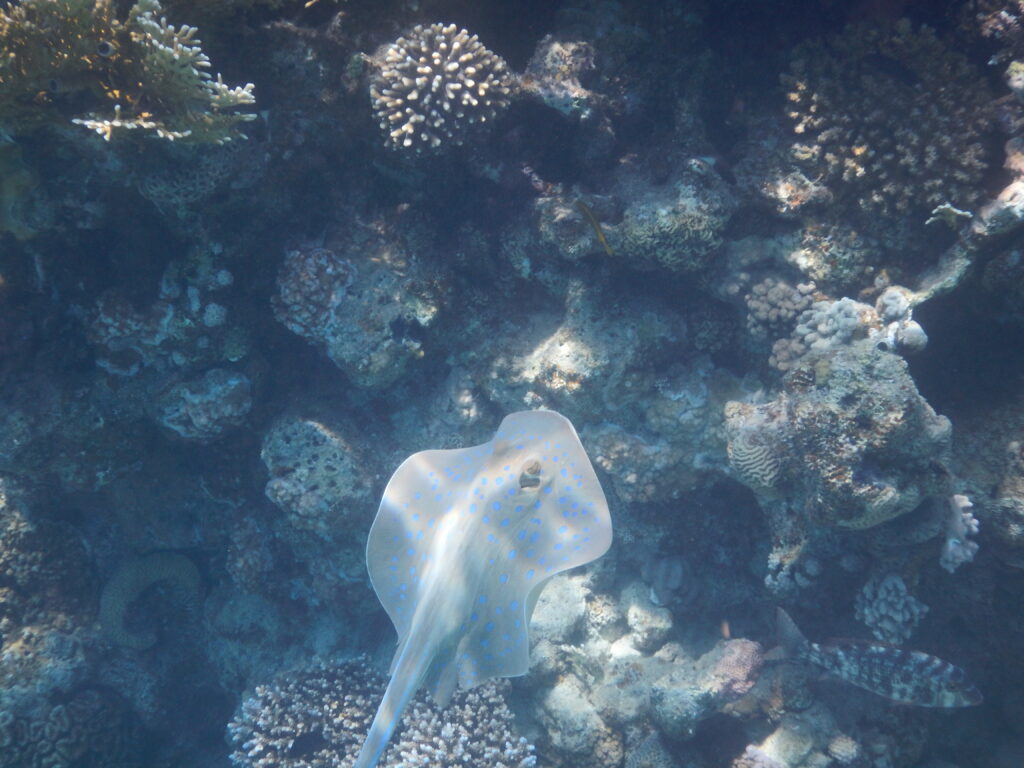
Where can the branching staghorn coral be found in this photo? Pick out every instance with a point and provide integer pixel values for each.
(75, 58)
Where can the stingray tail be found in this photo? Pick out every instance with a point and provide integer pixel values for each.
(411, 664)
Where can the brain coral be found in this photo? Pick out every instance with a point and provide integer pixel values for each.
(891, 118)
(436, 84)
(134, 578)
(319, 716)
(851, 439)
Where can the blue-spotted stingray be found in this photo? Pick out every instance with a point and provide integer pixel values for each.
(462, 544)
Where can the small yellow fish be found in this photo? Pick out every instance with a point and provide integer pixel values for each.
(589, 214)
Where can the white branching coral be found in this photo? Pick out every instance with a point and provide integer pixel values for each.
(434, 85)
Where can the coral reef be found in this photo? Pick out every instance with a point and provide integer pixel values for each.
(889, 610)
(893, 119)
(205, 408)
(850, 440)
(319, 476)
(129, 583)
(319, 716)
(324, 295)
(434, 85)
(212, 351)
(143, 74)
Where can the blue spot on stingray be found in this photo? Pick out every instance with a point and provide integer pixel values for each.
(487, 518)
(513, 605)
(548, 489)
(564, 472)
(505, 522)
(472, 507)
(563, 528)
(530, 552)
(490, 537)
(503, 578)
(529, 574)
(535, 521)
(496, 506)
(558, 546)
(497, 610)
(415, 515)
(534, 536)
(511, 554)
(483, 599)
(489, 626)
(499, 480)
(410, 552)
(519, 508)
(521, 535)
(417, 495)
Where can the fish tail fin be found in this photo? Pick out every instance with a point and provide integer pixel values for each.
(791, 639)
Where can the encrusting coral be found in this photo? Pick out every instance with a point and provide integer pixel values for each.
(435, 85)
(136, 74)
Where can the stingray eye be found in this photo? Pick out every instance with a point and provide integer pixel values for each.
(105, 48)
(529, 475)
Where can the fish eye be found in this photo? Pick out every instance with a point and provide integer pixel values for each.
(529, 474)
(105, 48)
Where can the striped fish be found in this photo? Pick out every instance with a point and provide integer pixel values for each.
(911, 677)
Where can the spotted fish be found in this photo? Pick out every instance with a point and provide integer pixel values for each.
(461, 546)
(911, 677)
